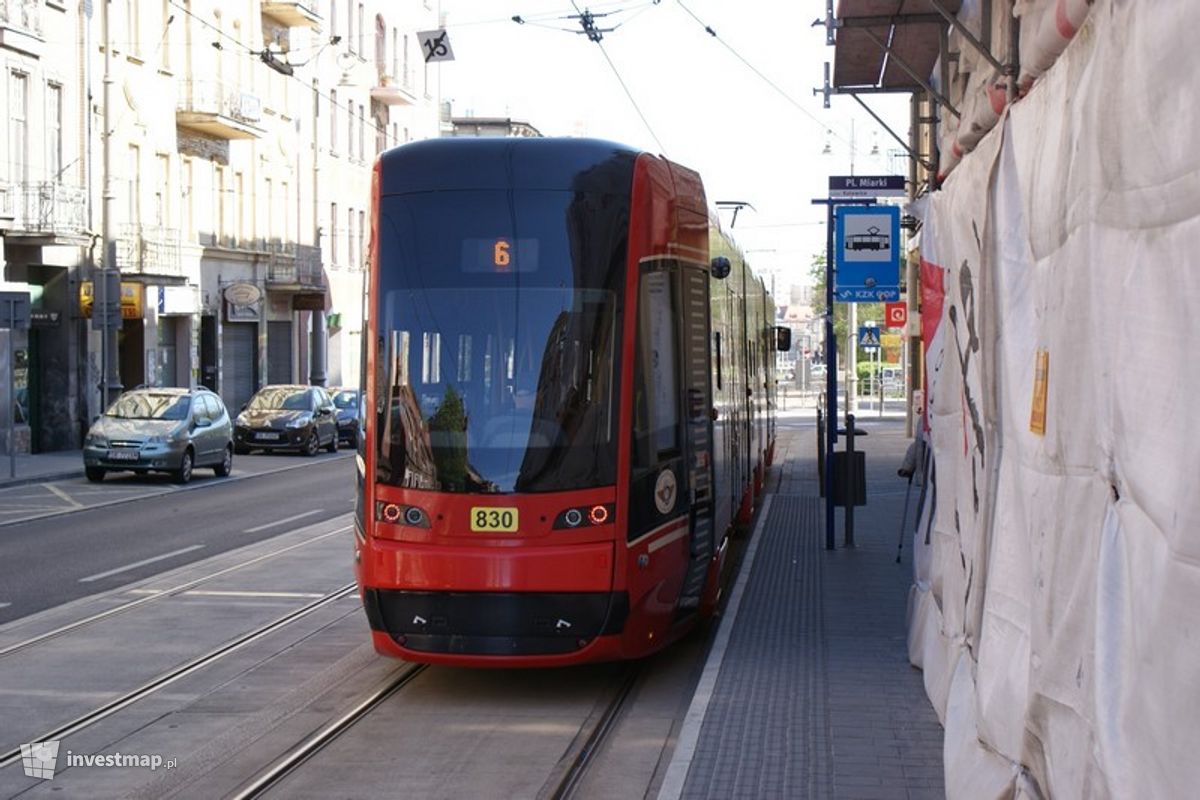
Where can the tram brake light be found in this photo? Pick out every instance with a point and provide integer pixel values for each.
(585, 516)
(397, 514)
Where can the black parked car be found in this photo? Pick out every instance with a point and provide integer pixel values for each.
(285, 417)
(347, 402)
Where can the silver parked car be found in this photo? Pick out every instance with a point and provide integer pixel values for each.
(161, 430)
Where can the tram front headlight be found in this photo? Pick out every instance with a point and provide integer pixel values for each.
(399, 514)
(585, 516)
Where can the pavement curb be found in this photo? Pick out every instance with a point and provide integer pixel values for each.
(7, 483)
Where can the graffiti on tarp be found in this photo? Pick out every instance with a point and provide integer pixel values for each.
(967, 295)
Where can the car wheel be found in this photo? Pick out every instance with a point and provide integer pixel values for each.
(333, 442)
(226, 465)
(241, 450)
(184, 473)
(312, 444)
(94, 474)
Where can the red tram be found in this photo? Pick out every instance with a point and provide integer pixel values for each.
(569, 384)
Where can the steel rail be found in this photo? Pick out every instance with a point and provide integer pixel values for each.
(172, 592)
(573, 767)
(178, 673)
(291, 760)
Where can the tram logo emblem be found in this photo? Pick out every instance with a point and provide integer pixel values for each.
(664, 491)
(39, 759)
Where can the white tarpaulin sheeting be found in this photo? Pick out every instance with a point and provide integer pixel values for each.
(1057, 565)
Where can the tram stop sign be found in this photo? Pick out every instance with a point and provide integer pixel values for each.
(866, 258)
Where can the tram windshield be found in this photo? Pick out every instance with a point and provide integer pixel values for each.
(497, 335)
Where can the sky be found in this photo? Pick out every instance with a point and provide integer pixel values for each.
(739, 108)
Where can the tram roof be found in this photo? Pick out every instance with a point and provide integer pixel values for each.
(461, 163)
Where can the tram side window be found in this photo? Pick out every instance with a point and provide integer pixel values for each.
(717, 339)
(656, 387)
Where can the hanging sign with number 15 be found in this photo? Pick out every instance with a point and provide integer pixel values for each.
(436, 45)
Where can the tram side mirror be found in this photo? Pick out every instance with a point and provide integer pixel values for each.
(721, 268)
(783, 338)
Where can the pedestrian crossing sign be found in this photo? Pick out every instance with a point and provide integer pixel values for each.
(868, 337)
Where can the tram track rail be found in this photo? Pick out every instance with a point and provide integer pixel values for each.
(575, 764)
(180, 672)
(290, 761)
(171, 592)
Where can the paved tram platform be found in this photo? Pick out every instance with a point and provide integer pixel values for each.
(807, 691)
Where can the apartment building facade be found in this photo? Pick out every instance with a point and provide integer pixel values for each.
(241, 138)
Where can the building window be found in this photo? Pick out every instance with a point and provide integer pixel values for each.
(333, 237)
(362, 221)
(287, 211)
(362, 50)
(350, 238)
(162, 192)
(396, 55)
(380, 45)
(164, 46)
(350, 26)
(333, 18)
(222, 203)
(333, 120)
(18, 125)
(133, 181)
(239, 187)
(189, 202)
(362, 125)
(349, 130)
(54, 136)
(269, 216)
(133, 28)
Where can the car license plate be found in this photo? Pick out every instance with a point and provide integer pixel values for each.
(267, 437)
(488, 519)
(123, 455)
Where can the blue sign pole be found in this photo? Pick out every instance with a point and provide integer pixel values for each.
(831, 412)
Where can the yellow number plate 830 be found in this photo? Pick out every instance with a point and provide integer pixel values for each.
(493, 519)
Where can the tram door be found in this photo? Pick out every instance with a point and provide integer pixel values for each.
(698, 424)
(671, 465)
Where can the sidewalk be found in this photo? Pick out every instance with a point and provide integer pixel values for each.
(41, 467)
(808, 691)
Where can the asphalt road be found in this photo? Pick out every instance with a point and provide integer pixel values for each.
(49, 561)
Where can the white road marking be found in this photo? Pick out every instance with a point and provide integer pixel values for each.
(216, 593)
(284, 521)
(54, 490)
(141, 563)
(5, 605)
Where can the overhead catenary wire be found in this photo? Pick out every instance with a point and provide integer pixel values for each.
(621, 81)
(708, 29)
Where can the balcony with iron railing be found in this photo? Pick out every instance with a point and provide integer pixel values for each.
(225, 112)
(292, 265)
(150, 251)
(394, 89)
(21, 25)
(291, 13)
(43, 209)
